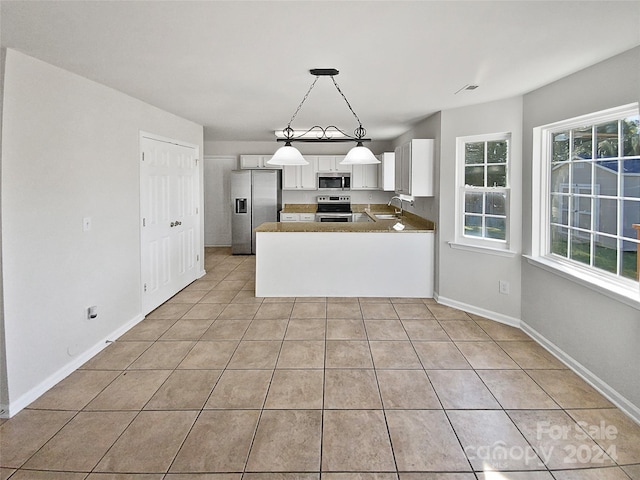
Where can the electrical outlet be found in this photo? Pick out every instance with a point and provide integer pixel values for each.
(503, 286)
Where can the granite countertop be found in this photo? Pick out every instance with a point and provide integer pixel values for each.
(412, 223)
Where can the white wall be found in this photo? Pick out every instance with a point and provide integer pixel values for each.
(217, 199)
(70, 149)
(599, 334)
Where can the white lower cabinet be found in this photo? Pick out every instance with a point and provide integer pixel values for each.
(297, 217)
(300, 177)
(289, 217)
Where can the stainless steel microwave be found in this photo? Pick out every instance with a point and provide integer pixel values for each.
(334, 181)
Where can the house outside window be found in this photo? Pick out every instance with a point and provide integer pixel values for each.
(589, 209)
(483, 191)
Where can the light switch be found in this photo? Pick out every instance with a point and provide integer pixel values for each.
(86, 224)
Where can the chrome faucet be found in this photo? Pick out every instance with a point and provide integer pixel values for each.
(401, 200)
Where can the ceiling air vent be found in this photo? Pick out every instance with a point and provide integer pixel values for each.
(467, 87)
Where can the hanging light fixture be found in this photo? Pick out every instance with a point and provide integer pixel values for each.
(289, 155)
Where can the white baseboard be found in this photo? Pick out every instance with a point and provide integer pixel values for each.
(498, 317)
(7, 411)
(587, 375)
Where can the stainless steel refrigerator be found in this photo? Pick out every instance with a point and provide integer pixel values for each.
(256, 198)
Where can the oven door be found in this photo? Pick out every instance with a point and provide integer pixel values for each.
(334, 217)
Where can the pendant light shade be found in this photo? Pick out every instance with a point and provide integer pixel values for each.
(359, 155)
(287, 155)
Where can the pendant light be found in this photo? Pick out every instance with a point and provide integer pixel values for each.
(286, 156)
(359, 155)
(289, 155)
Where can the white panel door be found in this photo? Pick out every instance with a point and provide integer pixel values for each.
(169, 193)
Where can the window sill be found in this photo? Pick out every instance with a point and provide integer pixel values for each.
(621, 291)
(479, 249)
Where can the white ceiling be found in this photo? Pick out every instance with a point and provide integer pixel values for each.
(240, 68)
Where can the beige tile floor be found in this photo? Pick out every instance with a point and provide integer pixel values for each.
(219, 385)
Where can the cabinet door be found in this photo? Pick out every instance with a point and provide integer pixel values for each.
(300, 177)
(250, 161)
(308, 174)
(398, 170)
(290, 175)
(256, 161)
(263, 162)
(364, 177)
(341, 168)
(421, 164)
(331, 163)
(326, 163)
(358, 178)
(386, 172)
(405, 176)
(371, 176)
(289, 217)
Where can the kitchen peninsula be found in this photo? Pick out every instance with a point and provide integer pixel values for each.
(355, 259)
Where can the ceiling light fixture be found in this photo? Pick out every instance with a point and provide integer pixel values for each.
(289, 155)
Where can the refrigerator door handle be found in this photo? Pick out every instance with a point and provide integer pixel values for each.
(241, 205)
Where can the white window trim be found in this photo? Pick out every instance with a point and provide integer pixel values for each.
(500, 252)
(621, 289)
(485, 245)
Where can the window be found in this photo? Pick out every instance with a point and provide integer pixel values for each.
(589, 215)
(483, 182)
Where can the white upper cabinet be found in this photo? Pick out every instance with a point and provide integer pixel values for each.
(331, 163)
(387, 171)
(256, 161)
(364, 177)
(300, 177)
(414, 168)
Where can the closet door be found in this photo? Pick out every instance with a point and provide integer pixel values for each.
(169, 207)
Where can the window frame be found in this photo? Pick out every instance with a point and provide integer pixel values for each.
(613, 285)
(481, 243)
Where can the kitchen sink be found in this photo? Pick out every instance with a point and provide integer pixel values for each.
(386, 216)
